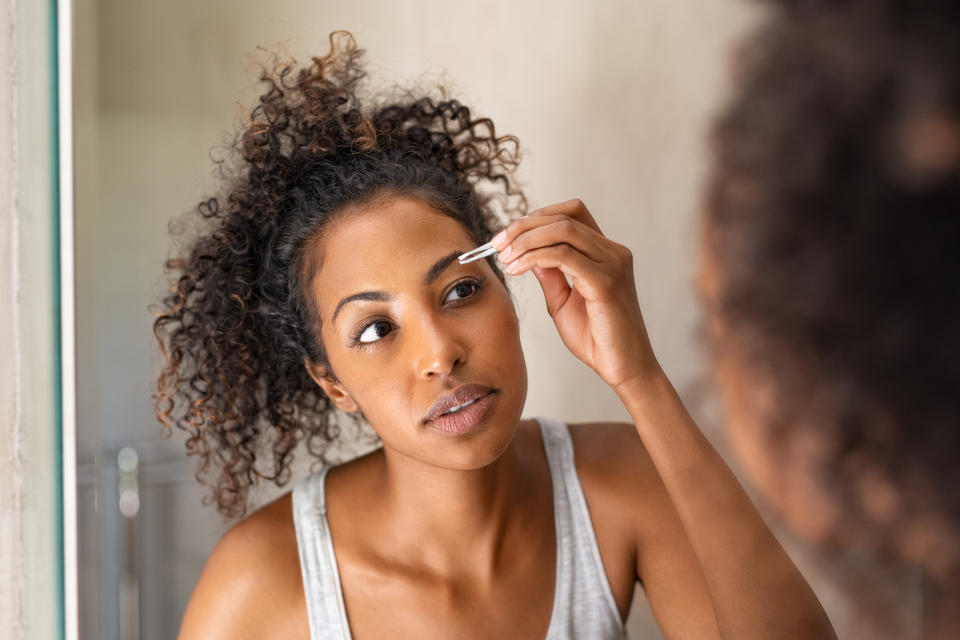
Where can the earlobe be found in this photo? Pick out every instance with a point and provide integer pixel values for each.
(331, 388)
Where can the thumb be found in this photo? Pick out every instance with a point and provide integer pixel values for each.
(554, 285)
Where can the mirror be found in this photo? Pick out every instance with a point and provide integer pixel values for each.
(610, 101)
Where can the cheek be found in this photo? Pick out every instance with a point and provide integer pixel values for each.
(501, 341)
(500, 323)
(787, 469)
(749, 444)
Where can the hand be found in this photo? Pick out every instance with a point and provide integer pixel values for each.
(598, 318)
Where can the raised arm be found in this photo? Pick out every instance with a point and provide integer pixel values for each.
(756, 590)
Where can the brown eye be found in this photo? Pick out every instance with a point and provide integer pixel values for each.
(465, 289)
(380, 328)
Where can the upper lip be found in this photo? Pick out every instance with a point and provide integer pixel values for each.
(461, 395)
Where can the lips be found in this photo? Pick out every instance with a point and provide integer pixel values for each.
(461, 395)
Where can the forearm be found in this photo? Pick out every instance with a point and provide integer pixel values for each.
(757, 591)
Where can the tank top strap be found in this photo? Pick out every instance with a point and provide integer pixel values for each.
(326, 611)
(584, 605)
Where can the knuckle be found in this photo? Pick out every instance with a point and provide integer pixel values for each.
(606, 282)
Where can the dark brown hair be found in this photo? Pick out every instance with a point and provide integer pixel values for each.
(236, 328)
(834, 225)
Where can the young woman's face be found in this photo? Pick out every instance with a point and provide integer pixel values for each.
(436, 325)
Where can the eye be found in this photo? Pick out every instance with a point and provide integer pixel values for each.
(372, 332)
(466, 288)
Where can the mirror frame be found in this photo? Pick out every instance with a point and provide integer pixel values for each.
(63, 25)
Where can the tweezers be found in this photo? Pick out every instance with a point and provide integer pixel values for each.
(482, 251)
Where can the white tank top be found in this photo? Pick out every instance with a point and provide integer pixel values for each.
(583, 604)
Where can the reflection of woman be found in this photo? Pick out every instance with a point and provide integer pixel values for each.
(831, 276)
(327, 278)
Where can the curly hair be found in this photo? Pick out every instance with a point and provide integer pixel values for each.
(236, 327)
(833, 221)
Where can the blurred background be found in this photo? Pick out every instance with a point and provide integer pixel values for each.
(612, 103)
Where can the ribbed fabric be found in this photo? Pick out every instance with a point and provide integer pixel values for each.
(583, 604)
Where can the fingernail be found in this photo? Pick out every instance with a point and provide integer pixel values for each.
(505, 254)
(499, 239)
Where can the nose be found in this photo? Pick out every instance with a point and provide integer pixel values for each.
(439, 346)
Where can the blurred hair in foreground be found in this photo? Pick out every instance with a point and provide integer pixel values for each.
(833, 272)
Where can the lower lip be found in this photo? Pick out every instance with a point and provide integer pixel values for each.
(466, 419)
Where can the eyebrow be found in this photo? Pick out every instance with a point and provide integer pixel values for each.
(432, 274)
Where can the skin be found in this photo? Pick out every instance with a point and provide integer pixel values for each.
(464, 540)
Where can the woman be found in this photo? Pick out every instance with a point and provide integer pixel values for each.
(326, 279)
(830, 276)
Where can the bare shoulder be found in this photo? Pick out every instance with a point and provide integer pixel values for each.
(251, 585)
(611, 456)
(617, 475)
(622, 486)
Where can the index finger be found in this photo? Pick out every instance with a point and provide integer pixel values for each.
(574, 208)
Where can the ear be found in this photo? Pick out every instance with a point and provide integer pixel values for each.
(333, 389)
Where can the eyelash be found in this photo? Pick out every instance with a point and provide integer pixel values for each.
(355, 338)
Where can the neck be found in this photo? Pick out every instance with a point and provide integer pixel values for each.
(450, 522)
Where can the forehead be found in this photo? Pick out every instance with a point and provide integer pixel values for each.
(390, 244)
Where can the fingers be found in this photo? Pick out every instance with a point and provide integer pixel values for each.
(563, 239)
(557, 229)
(571, 209)
(566, 223)
(592, 282)
(556, 289)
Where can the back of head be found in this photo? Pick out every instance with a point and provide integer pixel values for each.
(833, 224)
